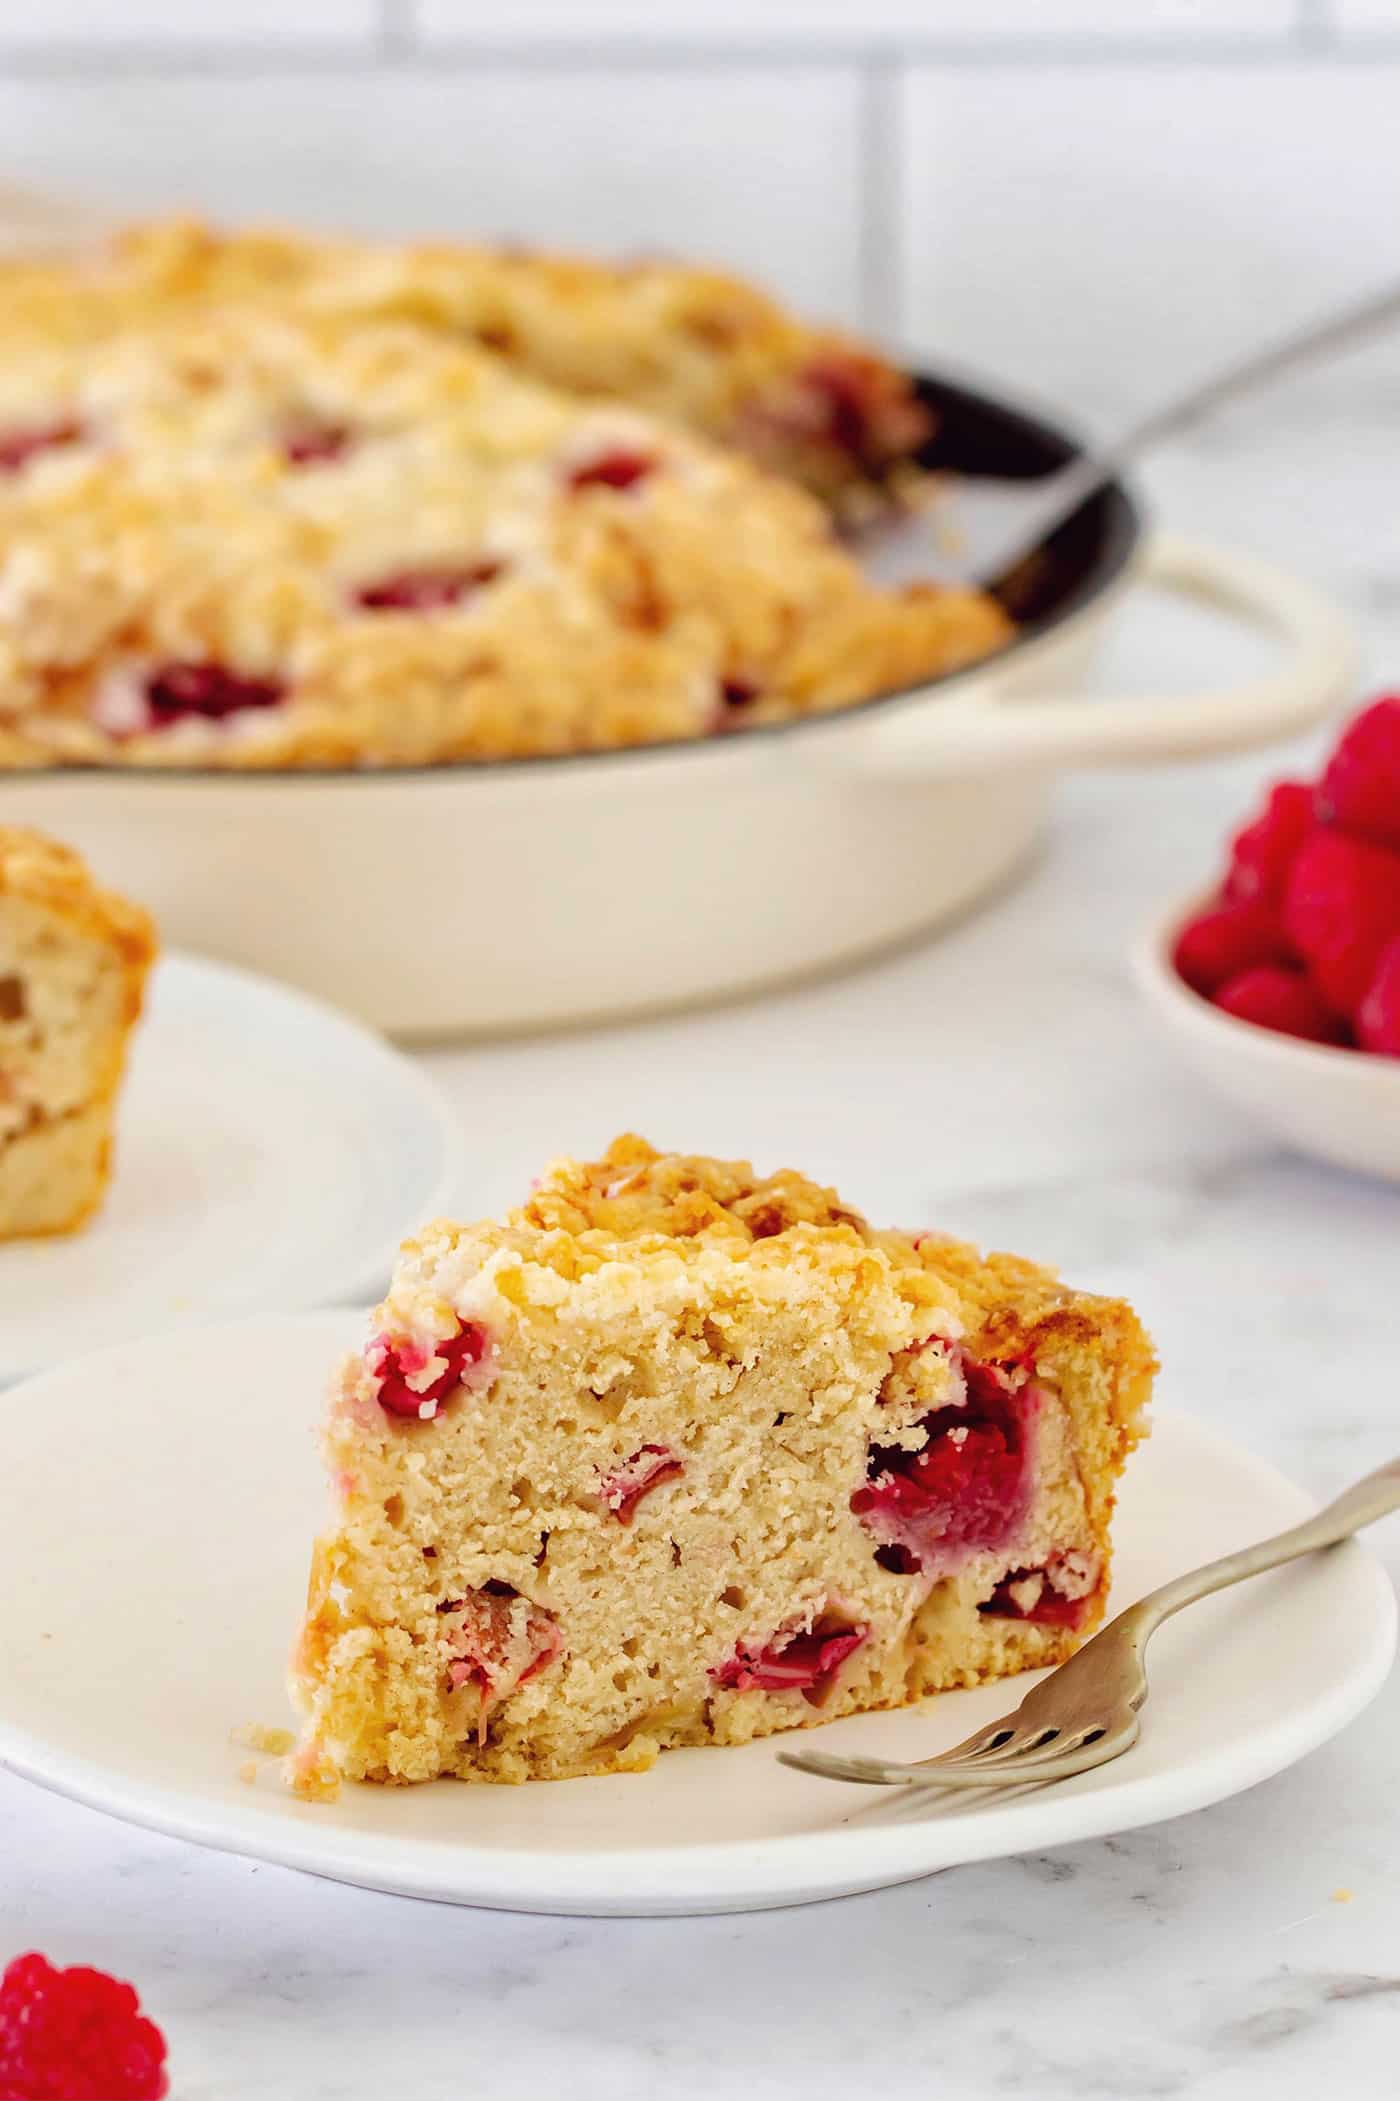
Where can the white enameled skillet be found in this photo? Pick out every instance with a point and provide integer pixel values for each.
(476, 898)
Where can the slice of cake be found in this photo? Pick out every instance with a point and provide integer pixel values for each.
(73, 964)
(674, 1455)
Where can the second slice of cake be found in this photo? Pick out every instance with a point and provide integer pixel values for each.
(677, 1455)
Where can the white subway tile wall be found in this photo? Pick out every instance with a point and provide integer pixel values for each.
(1087, 198)
(729, 166)
(102, 24)
(1367, 17)
(848, 23)
(1143, 224)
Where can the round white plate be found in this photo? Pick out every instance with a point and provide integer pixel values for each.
(155, 1562)
(270, 1155)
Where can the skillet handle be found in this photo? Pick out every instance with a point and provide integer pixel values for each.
(1319, 667)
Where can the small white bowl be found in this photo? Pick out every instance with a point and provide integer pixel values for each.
(1342, 1105)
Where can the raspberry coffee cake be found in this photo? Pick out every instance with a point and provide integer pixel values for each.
(256, 511)
(73, 964)
(676, 1455)
(695, 346)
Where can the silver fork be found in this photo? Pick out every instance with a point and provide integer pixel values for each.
(1088, 1711)
(984, 526)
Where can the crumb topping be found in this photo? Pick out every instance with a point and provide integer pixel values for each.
(275, 504)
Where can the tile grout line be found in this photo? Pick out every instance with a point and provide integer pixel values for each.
(1315, 26)
(1313, 40)
(398, 29)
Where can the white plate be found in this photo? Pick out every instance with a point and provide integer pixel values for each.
(270, 1156)
(182, 1576)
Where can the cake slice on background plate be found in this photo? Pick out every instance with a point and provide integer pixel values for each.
(73, 964)
(677, 1455)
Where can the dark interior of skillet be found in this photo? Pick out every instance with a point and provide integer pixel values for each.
(977, 435)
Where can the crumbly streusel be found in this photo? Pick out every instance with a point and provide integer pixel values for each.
(309, 527)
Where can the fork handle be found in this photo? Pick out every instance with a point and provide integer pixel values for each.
(1361, 1504)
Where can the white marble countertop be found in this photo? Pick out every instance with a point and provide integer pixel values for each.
(1004, 1082)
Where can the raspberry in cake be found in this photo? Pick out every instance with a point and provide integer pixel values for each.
(73, 964)
(290, 539)
(674, 1455)
(696, 347)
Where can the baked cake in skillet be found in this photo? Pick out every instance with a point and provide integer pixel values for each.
(248, 538)
(694, 346)
(73, 964)
(675, 1455)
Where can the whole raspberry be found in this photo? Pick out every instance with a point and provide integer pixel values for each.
(1342, 907)
(1262, 853)
(75, 2035)
(1378, 1017)
(1360, 791)
(1273, 998)
(1219, 944)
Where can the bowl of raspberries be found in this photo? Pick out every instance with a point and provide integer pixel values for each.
(1283, 982)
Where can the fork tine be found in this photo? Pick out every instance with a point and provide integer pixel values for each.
(831, 1765)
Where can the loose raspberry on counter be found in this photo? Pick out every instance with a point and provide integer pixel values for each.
(395, 1364)
(1342, 908)
(1217, 945)
(1263, 852)
(75, 2035)
(1359, 793)
(1275, 998)
(1378, 1017)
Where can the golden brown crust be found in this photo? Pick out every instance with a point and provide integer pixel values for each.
(48, 873)
(696, 346)
(229, 460)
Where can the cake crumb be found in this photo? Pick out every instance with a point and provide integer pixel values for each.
(256, 1736)
(1342, 1896)
(312, 1775)
(248, 1771)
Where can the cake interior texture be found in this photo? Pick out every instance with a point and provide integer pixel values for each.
(73, 964)
(674, 1455)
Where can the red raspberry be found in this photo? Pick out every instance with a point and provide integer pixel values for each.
(1262, 853)
(622, 468)
(395, 1365)
(75, 2035)
(1280, 999)
(1360, 791)
(206, 689)
(1219, 944)
(624, 1487)
(1342, 907)
(18, 447)
(426, 590)
(307, 442)
(1378, 1017)
(792, 1662)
